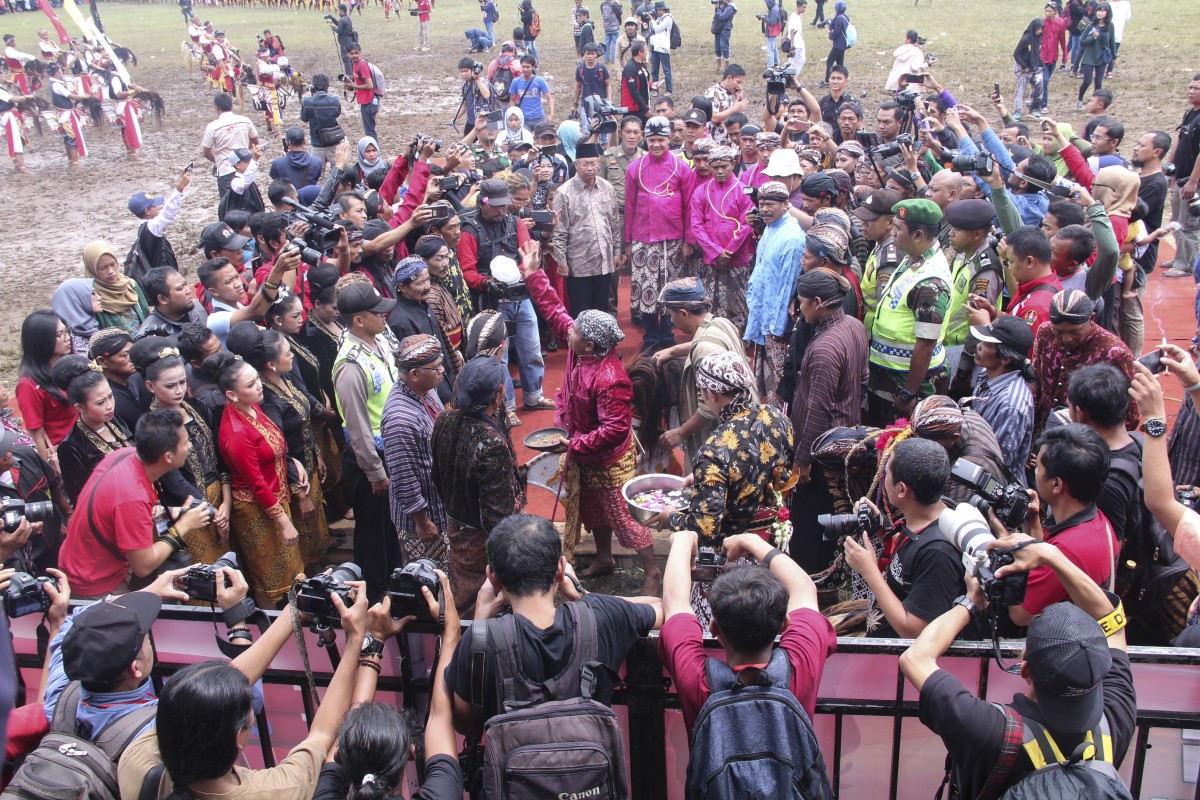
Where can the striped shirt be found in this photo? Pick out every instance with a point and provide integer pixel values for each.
(830, 384)
(1184, 445)
(1007, 404)
(407, 429)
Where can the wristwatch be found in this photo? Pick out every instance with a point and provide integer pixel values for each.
(1155, 427)
(371, 647)
(916, 176)
(965, 602)
(906, 394)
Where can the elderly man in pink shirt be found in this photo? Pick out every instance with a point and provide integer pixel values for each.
(657, 188)
(718, 226)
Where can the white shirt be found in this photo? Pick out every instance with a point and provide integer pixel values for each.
(795, 34)
(225, 134)
(660, 40)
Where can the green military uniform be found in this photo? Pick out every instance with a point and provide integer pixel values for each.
(913, 306)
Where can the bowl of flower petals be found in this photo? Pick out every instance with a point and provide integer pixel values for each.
(647, 495)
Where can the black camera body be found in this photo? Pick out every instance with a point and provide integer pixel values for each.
(752, 193)
(315, 595)
(404, 588)
(1009, 502)
(495, 120)
(200, 581)
(331, 18)
(26, 594)
(449, 183)
(439, 212)
(320, 236)
(968, 163)
(709, 564)
(777, 79)
(882, 151)
(476, 68)
(834, 526)
(421, 139)
(414, 12)
(1006, 591)
(13, 510)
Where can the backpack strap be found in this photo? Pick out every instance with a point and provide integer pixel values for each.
(116, 737)
(66, 709)
(151, 782)
(503, 634)
(477, 665)
(1041, 748)
(1010, 747)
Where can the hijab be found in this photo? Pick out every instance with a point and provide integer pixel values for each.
(1116, 188)
(117, 297)
(569, 134)
(366, 166)
(73, 302)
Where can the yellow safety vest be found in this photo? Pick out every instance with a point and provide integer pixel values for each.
(893, 337)
(379, 374)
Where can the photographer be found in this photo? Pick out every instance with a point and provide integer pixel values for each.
(373, 746)
(478, 95)
(114, 535)
(220, 278)
(1077, 679)
(1072, 465)
(347, 37)
(751, 605)
(925, 573)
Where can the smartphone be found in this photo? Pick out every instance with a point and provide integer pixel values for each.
(188, 168)
(1046, 126)
(995, 90)
(1153, 361)
(912, 77)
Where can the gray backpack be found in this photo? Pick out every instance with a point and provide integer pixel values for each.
(755, 740)
(552, 739)
(66, 766)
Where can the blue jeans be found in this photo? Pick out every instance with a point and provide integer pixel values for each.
(664, 60)
(531, 47)
(491, 33)
(772, 51)
(721, 44)
(1047, 73)
(1073, 43)
(610, 46)
(530, 366)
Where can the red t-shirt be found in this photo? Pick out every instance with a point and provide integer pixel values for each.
(123, 509)
(1082, 540)
(808, 640)
(40, 410)
(1032, 304)
(362, 74)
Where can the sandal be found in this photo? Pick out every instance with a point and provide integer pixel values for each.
(1176, 272)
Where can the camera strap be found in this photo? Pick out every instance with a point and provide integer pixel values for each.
(109, 546)
(302, 646)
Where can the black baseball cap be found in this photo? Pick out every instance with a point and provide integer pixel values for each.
(1007, 330)
(106, 636)
(219, 236)
(494, 192)
(970, 215)
(362, 296)
(695, 116)
(1068, 657)
(294, 135)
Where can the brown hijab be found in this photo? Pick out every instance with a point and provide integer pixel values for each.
(117, 297)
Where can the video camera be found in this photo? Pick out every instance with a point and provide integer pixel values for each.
(404, 588)
(331, 18)
(709, 564)
(314, 597)
(26, 594)
(602, 115)
(13, 510)
(321, 236)
(200, 581)
(882, 151)
(834, 526)
(967, 162)
(777, 79)
(969, 532)
(1009, 502)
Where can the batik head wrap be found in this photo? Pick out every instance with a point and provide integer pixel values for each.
(765, 139)
(477, 385)
(1071, 306)
(683, 293)
(937, 417)
(773, 190)
(486, 334)
(722, 153)
(833, 216)
(828, 241)
(724, 373)
(408, 270)
(825, 284)
(419, 350)
(600, 329)
(107, 342)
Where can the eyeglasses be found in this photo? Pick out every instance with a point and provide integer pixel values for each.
(440, 368)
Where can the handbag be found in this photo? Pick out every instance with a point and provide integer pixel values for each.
(331, 135)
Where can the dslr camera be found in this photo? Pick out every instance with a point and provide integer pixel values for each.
(331, 18)
(200, 581)
(315, 595)
(882, 151)
(967, 163)
(26, 594)
(421, 139)
(1010, 502)
(13, 510)
(777, 79)
(967, 530)
(709, 564)
(834, 526)
(320, 236)
(404, 588)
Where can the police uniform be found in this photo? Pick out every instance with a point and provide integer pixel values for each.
(913, 306)
(884, 256)
(978, 274)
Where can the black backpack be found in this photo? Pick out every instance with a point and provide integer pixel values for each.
(1083, 775)
(676, 35)
(501, 82)
(66, 766)
(1155, 584)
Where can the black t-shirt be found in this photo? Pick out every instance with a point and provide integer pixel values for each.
(443, 781)
(829, 107)
(1188, 145)
(1153, 193)
(1118, 496)
(926, 574)
(972, 730)
(545, 653)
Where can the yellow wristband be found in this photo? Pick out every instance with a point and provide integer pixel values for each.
(1115, 621)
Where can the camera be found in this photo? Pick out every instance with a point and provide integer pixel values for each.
(476, 68)
(320, 236)
(882, 151)
(1010, 502)
(752, 193)
(315, 595)
(13, 510)
(341, 76)
(420, 140)
(1168, 169)
(543, 221)
(261, 40)
(777, 79)
(26, 594)
(969, 532)
(834, 526)
(966, 163)
(450, 183)
(440, 211)
(200, 581)
(405, 585)
(602, 114)
(495, 120)
(414, 12)
(331, 18)
(708, 564)
(308, 255)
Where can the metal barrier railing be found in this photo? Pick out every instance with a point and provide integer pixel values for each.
(646, 696)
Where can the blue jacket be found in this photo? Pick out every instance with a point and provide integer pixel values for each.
(319, 110)
(724, 15)
(298, 166)
(837, 31)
